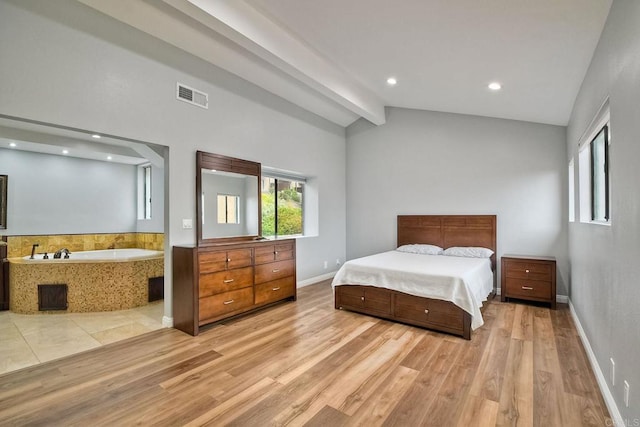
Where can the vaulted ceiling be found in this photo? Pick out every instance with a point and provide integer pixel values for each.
(333, 57)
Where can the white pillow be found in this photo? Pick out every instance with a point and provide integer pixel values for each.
(421, 249)
(468, 251)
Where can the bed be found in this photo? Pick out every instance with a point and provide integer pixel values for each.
(384, 285)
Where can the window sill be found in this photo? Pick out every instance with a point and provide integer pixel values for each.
(606, 224)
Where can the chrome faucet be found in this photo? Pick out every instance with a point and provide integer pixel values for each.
(33, 250)
(59, 253)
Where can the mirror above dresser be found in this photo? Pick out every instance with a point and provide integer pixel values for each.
(227, 198)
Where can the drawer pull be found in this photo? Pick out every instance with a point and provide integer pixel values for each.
(426, 311)
(276, 289)
(526, 271)
(362, 298)
(227, 281)
(276, 252)
(228, 302)
(228, 259)
(275, 270)
(527, 288)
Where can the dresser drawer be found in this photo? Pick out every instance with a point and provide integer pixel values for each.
(213, 261)
(528, 270)
(523, 288)
(275, 252)
(239, 258)
(275, 270)
(224, 281)
(275, 290)
(220, 304)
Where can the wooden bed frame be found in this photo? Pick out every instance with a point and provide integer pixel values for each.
(441, 230)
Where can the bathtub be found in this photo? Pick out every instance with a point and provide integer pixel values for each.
(106, 255)
(104, 280)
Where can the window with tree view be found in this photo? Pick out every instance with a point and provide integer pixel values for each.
(282, 202)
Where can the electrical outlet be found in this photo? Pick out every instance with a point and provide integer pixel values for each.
(626, 394)
(326, 265)
(337, 261)
(187, 223)
(613, 372)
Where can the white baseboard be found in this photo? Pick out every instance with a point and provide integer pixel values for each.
(602, 382)
(311, 281)
(167, 322)
(562, 299)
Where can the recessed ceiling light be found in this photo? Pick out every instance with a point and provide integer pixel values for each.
(65, 151)
(391, 81)
(495, 86)
(109, 157)
(96, 136)
(12, 144)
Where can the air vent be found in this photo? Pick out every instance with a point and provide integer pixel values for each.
(192, 96)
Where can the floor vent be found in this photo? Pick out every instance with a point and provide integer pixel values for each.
(192, 96)
(52, 297)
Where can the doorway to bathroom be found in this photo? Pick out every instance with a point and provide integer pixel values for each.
(79, 192)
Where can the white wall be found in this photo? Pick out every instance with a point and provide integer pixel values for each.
(604, 260)
(423, 162)
(71, 65)
(50, 194)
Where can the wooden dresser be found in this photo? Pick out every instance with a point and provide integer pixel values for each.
(212, 283)
(530, 278)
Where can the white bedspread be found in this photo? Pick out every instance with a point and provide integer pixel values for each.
(466, 282)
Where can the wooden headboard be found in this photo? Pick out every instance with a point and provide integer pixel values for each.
(449, 230)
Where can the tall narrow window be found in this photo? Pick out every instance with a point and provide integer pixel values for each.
(282, 206)
(594, 169)
(572, 192)
(600, 176)
(146, 172)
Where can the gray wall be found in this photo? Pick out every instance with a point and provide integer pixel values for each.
(50, 194)
(605, 292)
(423, 162)
(73, 66)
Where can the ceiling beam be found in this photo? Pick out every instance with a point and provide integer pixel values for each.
(310, 82)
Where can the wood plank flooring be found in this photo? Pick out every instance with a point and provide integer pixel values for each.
(305, 363)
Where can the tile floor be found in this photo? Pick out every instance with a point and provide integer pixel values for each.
(29, 339)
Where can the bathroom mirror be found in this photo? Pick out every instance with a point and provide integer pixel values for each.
(3, 201)
(227, 199)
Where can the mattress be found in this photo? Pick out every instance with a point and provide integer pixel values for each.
(466, 282)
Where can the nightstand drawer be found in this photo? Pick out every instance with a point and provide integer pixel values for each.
(522, 288)
(528, 270)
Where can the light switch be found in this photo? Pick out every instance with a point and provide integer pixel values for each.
(187, 223)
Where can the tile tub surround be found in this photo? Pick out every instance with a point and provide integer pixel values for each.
(92, 286)
(19, 246)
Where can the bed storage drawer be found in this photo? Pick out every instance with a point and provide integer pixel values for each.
(364, 298)
(428, 312)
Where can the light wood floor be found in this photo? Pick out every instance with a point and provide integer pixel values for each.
(306, 363)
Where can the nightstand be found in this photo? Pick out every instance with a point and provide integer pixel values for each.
(531, 278)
